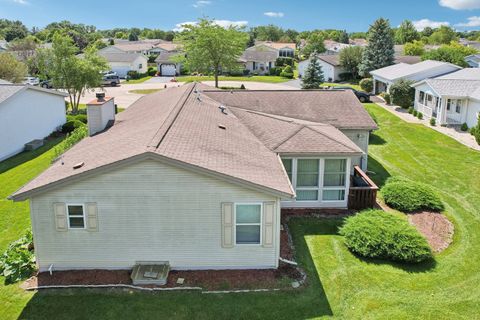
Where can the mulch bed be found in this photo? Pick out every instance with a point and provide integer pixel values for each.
(206, 279)
(435, 227)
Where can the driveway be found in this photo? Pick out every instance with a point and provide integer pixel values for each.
(159, 80)
(296, 83)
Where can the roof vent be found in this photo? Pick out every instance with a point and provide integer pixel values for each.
(223, 109)
(78, 165)
(221, 126)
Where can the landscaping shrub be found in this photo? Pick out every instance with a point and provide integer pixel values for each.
(386, 97)
(71, 139)
(284, 61)
(287, 72)
(381, 235)
(410, 110)
(366, 84)
(464, 127)
(420, 115)
(402, 93)
(132, 74)
(81, 117)
(151, 71)
(432, 122)
(18, 261)
(71, 125)
(242, 87)
(414, 113)
(409, 196)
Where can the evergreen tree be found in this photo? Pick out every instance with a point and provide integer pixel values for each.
(380, 51)
(313, 76)
(343, 37)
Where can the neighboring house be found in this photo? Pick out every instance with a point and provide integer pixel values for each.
(473, 60)
(358, 42)
(146, 47)
(470, 43)
(330, 66)
(383, 78)
(407, 59)
(27, 113)
(166, 65)
(334, 47)
(263, 55)
(452, 99)
(122, 62)
(197, 177)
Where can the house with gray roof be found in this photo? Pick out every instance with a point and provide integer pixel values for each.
(259, 59)
(167, 64)
(122, 62)
(27, 113)
(330, 64)
(196, 177)
(451, 99)
(383, 78)
(473, 60)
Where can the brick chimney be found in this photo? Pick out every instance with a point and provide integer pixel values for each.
(100, 113)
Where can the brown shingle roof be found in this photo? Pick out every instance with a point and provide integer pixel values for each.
(331, 59)
(341, 109)
(186, 126)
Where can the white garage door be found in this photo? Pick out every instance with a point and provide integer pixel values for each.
(168, 70)
(121, 70)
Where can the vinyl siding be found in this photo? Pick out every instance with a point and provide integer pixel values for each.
(360, 138)
(148, 211)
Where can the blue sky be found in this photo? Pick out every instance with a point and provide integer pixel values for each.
(353, 15)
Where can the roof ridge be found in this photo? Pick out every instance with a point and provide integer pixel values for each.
(329, 137)
(290, 136)
(170, 120)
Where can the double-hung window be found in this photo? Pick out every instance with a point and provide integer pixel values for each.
(307, 179)
(76, 216)
(458, 107)
(421, 97)
(334, 180)
(248, 222)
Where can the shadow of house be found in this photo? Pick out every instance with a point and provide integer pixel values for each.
(377, 172)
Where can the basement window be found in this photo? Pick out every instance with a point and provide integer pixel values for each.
(76, 216)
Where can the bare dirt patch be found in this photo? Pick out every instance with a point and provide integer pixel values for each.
(435, 227)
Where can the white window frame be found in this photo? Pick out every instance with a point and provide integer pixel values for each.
(76, 216)
(320, 179)
(248, 224)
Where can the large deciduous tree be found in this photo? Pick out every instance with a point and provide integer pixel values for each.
(380, 51)
(11, 69)
(406, 33)
(454, 53)
(212, 48)
(315, 43)
(313, 77)
(69, 71)
(350, 59)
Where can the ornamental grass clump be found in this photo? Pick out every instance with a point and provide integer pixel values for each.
(380, 235)
(18, 261)
(409, 196)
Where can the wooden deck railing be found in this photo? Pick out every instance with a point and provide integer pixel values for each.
(363, 191)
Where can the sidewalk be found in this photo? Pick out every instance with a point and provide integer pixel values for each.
(463, 137)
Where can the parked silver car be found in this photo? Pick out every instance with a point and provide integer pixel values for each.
(111, 80)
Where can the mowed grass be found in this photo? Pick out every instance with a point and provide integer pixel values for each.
(340, 285)
(266, 79)
(135, 81)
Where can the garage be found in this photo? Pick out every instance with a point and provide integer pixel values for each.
(121, 70)
(168, 70)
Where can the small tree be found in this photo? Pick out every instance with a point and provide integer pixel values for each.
(11, 69)
(366, 84)
(415, 48)
(380, 51)
(313, 76)
(402, 93)
(454, 53)
(406, 33)
(73, 73)
(315, 43)
(209, 47)
(350, 59)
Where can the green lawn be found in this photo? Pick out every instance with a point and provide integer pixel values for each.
(339, 283)
(268, 79)
(144, 91)
(135, 81)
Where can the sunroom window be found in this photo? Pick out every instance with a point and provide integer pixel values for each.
(334, 179)
(248, 223)
(307, 179)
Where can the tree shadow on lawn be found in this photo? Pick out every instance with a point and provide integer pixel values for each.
(309, 301)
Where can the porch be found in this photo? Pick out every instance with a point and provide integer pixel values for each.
(446, 111)
(362, 192)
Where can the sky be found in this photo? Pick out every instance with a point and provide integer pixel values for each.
(352, 15)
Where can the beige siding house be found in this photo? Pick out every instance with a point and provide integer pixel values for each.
(195, 176)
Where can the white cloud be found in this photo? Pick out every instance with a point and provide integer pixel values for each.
(460, 4)
(422, 24)
(274, 14)
(202, 3)
(472, 22)
(223, 23)
(23, 2)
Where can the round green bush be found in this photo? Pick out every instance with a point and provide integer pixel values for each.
(71, 125)
(409, 196)
(381, 235)
(366, 84)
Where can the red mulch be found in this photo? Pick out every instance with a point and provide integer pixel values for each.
(435, 227)
(206, 279)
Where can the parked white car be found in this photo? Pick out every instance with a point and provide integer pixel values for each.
(33, 81)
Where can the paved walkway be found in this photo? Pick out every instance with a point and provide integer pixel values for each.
(463, 137)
